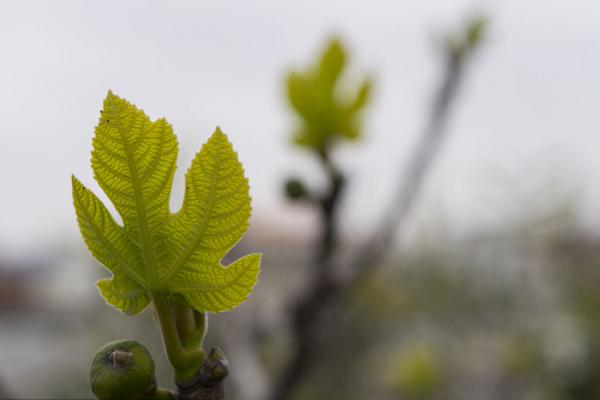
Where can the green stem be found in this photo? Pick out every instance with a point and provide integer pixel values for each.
(196, 339)
(201, 325)
(191, 325)
(185, 362)
(160, 394)
(201, 322)
(186, 324)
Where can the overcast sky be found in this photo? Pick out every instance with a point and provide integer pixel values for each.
(530, 108)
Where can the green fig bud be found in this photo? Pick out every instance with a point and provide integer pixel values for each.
(219, 366)
(123, 369)
(295, 189)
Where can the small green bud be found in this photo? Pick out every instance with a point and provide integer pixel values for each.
(218, 364)
(123, 369)
(475, 31)
(295, 189)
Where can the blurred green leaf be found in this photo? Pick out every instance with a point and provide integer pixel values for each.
(465, 41)
(475, 30)
(332, 64)
(417, 373)
(326, 110)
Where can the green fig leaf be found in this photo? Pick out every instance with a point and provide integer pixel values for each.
(327, 110)
(134, 161)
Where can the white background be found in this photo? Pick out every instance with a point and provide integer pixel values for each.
(529, 112)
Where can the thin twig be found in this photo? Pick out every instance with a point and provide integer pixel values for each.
(414, 175)
(322, 288)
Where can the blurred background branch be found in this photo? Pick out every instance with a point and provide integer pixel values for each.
(457, 51)
(320, 135)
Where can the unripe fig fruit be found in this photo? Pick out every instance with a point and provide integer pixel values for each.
(123, 369)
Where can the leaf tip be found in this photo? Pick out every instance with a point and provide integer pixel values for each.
(219, 135)
(219, 132)
(75, 183)
(113, 99)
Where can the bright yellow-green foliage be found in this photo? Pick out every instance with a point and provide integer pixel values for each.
(326, 110)
(134, 160)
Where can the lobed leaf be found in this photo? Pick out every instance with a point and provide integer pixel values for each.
(326, 112)
(134, 161)
(214, 217)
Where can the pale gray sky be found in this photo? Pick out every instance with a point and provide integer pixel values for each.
(528, 111)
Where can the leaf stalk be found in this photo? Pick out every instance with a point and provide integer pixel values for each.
(185, 362)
